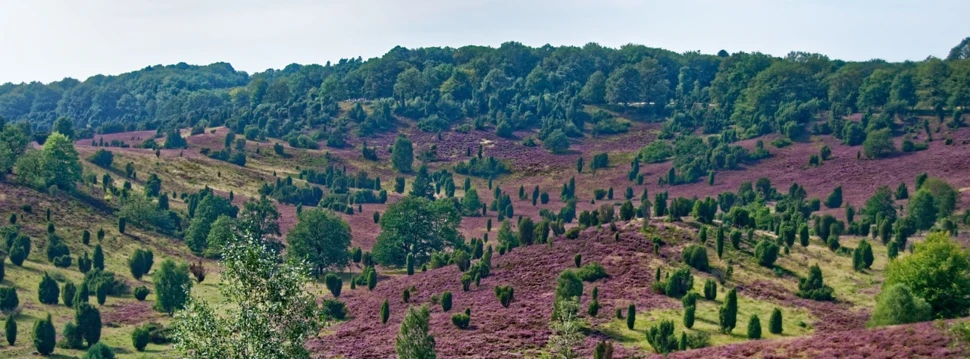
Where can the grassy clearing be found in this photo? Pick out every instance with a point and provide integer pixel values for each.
(796, 321)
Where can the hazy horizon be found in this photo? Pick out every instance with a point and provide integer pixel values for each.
(50, 40)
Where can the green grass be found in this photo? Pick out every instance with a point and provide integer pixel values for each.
(796, 321)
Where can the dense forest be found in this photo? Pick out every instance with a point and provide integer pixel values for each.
(508, 88)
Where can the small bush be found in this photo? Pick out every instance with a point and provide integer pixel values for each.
(689, 316)
(767, 253)
(141, 293)
(696, 256)
(591, 272)
(333, 309)
(774, 323)
(8, 299)
(461, 320)
(814, 287)
(505, 295)
(898, 305)
(754, 327)
(446, 301)
(662, 338)
(710, 289)
(139, 338)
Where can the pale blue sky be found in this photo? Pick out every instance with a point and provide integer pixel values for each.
(46, 40)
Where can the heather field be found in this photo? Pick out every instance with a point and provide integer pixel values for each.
(627, 253)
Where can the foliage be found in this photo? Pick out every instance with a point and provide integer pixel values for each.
(661, 337)
(767, 253)
(728, 313)
(898, 305)
(414, 339)
(813, 287)
(754, 327)
(402, 155)
(320, 238)
(774, 323)
(48, 291)
(44, 336)
(417, 226)
(266, 313)
(88, 320)
(696, 257)
(937, 272)
(566, 328)
(172, 284)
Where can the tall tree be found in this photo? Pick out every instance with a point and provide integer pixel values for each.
(321, 238)
(414, 340)
(172, 286)
(402, 155)
(417, 226)
(267, 313)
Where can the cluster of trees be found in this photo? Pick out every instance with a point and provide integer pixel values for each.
(509, 88)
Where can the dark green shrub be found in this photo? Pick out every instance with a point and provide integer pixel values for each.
(72, 337)
(594, 308)
(710, 289)
(814, 287)
(101, 293)
(44, 336)
(140, 293)
(385, 311)
(661, 337)
(774, 323)
(754, 327)
(461, 320)
(604, 350)
(67, 294)
(728, 313)
(334, 309)
(505, 295)
(334, 284)
(99, 351)
(578, 259)
(446, 301)
(139, 338)
(47, 291)
(689, 316)
(631, 316)
(8, 299)
(696, 256)
(88, 320)
(767, 253)
(678, 283)
(591, 272)
(10, 330)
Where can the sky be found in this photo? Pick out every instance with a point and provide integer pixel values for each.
(47, 40)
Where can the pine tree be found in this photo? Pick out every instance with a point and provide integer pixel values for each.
(754, 327)
(10, 330)
(44, 336)
(728, 313)
(385, 311)
(47, 291)
(88, 320)
(631, 316)
(774, 323)
(689, 316)
(98, 258)
(413, 340)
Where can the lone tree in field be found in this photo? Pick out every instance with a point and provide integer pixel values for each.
(417, 226)
(897, 305)
(265, 302)
(813, 287)
(322, 239)
(402, 155)
(728, 313)
(172, 284)
(413, 340)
